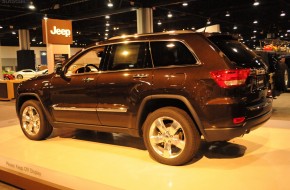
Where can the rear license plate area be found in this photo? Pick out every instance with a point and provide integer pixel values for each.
(260, 81)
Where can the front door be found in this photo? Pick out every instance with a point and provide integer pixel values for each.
(75, 100)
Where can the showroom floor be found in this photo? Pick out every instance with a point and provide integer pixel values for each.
(90, 160)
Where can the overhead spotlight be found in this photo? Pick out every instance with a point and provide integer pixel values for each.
(208, 22)
(1, 26)
(228, 14)
(33, 39)
(107, 30)
(184, 4)
(255, 31)
(107, 17)
(31, 6)
(193, 28)
(256, 3)
(255, 22)
(159, 22)
(13, 32)
(107, 24)
(169, 15)
(45, 17)
(110, 4)
(235, 27)
(282, 14)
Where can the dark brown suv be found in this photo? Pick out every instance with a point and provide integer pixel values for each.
(172, 88)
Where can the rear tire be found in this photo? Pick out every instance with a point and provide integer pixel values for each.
(33, 121)
(170, 136)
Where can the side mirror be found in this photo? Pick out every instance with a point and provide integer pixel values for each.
(58, 69)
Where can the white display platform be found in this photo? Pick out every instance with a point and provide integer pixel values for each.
(86, 160)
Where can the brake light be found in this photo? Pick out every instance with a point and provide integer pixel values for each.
(230, 78)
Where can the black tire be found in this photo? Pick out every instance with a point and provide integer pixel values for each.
(19, 77)
(33, 121)
(282, 77)
(186, 136)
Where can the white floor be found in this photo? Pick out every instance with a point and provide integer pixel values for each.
(89, 160)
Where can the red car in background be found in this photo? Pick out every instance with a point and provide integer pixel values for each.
(8, 77)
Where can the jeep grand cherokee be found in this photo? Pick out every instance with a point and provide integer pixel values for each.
(172, 88)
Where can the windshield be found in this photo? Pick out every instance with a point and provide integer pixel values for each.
(237, 52)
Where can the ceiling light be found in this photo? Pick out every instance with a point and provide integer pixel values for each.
(283, 13)
(159, 22)
(255, 31)
(107, 30)
(256, 3)
(235, 27)
(169, 15)
(13, 32)
(1, 26)
(33, 39)
(255, 22)
(107, 17)
(31, 5)
(228, 14)
(185, 4)
(106, 34)
(45, 17)
(193, 28)
(107, 24)
(110, 4)
(208, 22)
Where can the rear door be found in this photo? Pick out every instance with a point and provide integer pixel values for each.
(125, 80)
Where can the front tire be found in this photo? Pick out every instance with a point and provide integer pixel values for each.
(33, 122)
(170, 136)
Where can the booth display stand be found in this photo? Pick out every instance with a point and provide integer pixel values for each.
(8, 89)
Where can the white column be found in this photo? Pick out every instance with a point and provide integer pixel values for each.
(144, 20)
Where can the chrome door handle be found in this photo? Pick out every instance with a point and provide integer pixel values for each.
(88, 79)
(140, 75)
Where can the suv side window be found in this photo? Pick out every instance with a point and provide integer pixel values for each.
(128, 56)
(87, 62)
(165, 53)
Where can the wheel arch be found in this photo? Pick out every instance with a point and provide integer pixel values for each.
(31, 96)
(154, 102)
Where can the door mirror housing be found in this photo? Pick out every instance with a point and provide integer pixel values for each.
(58, 69)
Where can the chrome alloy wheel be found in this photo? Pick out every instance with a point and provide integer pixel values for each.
(31, 120)
(167, 137)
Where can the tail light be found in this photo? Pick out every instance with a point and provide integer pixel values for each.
(238, 120)
(230, 78)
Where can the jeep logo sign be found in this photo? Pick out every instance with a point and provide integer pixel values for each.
(57, 31)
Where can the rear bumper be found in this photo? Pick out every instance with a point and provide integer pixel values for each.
(225, 134)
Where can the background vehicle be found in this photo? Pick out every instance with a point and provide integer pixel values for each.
(172, 88)
(8, 76)
(279, 67)
(28, 73)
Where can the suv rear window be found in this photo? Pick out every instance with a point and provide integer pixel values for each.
(237, 52)
(167, 53)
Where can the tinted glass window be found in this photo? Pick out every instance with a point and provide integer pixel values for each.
(237, 52)
(167, 53)
(127, 56)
